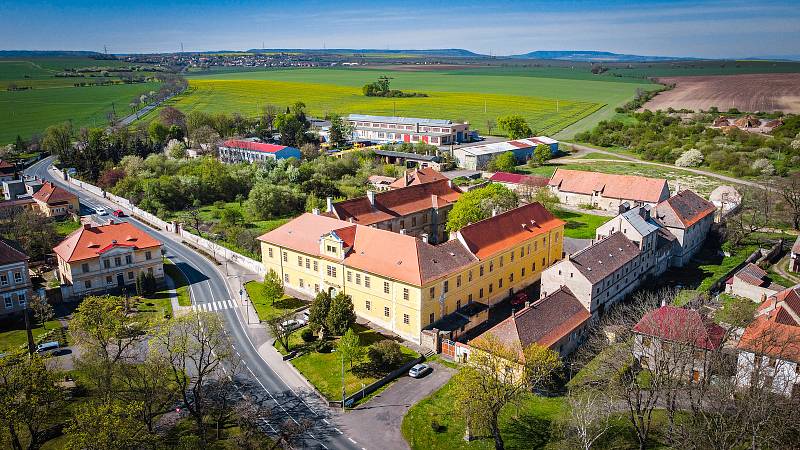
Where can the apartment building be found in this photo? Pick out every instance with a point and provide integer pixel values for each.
(405, 284)
(15, 282)
(98, 259)
(54, 201)
(417, 210)
(408, 129)
(607, 191)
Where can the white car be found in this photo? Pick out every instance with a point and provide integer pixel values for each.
(47, 346)
(418, 370)
(101, 212)
(293, 324)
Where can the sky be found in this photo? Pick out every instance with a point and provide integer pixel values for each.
(711, 29)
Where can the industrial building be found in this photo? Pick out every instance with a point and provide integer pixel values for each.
(408, 129)
(478, 156)
(236, 151)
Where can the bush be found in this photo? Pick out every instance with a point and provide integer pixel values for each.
(385, 355)
(323, 347)
(308, 335)
(763, 166)
(690, 158)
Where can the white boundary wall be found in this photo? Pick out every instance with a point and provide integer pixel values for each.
(217, 251)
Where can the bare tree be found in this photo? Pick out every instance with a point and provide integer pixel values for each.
(280, 332)
(589, 416)
(754, 214)
(193, 216)
(789, 189)
(42, 310)
(148, 385)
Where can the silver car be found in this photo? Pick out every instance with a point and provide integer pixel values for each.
(418, 370)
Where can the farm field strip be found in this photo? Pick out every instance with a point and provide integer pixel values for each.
(248, 97)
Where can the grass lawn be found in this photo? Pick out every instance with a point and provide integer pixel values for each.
(323, 370)
(266, 309)
(13, 334)
(157, 307)
(595, 155)
(580, 225)
(66, 226)
(180, 281)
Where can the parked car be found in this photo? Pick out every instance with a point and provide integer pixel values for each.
(418, 370)
(100, 211)
(118, 213)
(47, 346)
(293, 324)
(519, 299)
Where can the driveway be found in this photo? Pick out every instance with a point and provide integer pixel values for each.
(376, 424)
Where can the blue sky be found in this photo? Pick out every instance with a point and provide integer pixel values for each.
(730, 28)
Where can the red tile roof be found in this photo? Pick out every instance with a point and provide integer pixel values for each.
(382, 252)
(683, 210)
(681, 325)
(254, 146)
(496, 234)
(516, 178)
(10, 255)
(626, 187)
(545, 322)
(397, 202)
(6, 165)
(417, 176)
(52, 194)
(769, 337)
(90, 242)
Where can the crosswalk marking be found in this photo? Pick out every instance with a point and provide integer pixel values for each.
(214, 306)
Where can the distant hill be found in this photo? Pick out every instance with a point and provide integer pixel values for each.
(591, 55)
(51, 54)
(453, 52)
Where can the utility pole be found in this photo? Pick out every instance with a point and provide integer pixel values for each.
(32, 348)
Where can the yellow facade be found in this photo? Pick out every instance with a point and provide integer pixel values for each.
(404, 308)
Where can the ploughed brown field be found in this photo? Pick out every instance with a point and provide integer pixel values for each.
(750, 92)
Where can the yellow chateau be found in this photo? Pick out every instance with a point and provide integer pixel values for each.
(403, 284)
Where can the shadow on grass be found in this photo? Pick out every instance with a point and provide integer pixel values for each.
(527, 432)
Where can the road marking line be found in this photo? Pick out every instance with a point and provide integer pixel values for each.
(326, 421)
(338, 431)
(351, 440)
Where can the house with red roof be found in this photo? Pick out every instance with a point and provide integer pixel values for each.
(607, 191)
(520, 183)
(688, 217)
(238, 150)
(769, 349)
(55, 201)
(752, 282)
(403, 283)
(678, 338)
(8, 171)
(98, 259)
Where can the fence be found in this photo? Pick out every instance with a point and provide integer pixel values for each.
(217, 251)
(378, 384)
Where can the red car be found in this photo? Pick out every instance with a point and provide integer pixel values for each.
(519, 299)
(118, 213)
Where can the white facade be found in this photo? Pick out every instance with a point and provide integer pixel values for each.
(783, 376)
(408, 129)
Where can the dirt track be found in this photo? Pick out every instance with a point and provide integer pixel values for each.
(751, 92)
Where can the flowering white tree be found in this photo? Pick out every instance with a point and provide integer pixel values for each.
(690, 158)
(764, 166)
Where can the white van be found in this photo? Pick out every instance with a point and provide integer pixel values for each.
(47, 346)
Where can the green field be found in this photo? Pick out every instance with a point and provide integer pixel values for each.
(27, 112)
(550, 104)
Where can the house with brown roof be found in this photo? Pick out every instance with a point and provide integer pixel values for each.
(405, 284)
(98, 259)
(379, 183)
(8, 171)
(15, 282)
(520, 183)
(607, 191)
(752, 282)
(769, 348)
(414, 177)
(688, 217)
(418, 210)
(557, 321)
(678, 338)
(54, 201)
(599, 275)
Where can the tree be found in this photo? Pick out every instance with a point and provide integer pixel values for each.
(148, 387)
(589, 416)
(280, 332)
(58, 140)
(349, 347)
(176, 149)
(547, 198)
(385, 356)
(102, 425)
(789, 189)
(490, 124)
(30, 400)
(157, 132)
(542, 153)
(497, 376)
(478, 204)
(231, 217)
(35, 233)
(309, 150)
(203, 136)
(193, 216)
(171, 116)
(340, 131)
(196, 348)
(107, 336)
(42, 309)
(504, 162)
(514, 126)
(341, 315)
(269, 200)
(272, 288)
(690, 158)
(268, 114)
(318, 313)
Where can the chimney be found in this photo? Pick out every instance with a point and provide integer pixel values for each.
(371, 197)
(111, 221)
(403, 231)
(624, 207)
(644, 212)
(424, 237)
(350, 219)
(330, 205)
(677, 187)
(449, 183)
(494, 212)
(315, 211)
(87, 226)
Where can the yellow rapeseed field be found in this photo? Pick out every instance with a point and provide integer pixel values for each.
(546, 116)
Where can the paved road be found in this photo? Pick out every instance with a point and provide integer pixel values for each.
(208, 286)
(386, 410)
(582, 149)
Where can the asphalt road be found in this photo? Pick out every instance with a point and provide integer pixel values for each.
(257, 379)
